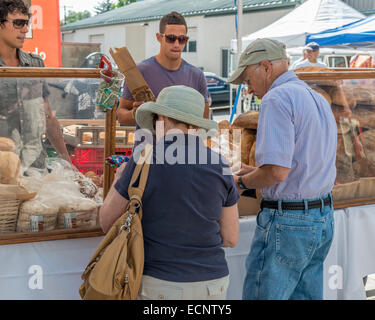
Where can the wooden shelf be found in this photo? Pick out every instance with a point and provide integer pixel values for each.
(353, 203)
(63, 234)
(16, 72)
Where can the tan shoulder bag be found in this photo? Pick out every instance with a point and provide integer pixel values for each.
(116, 268)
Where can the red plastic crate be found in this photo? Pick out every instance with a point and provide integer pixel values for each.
(87, 159)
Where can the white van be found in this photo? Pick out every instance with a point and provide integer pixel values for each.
(333, 58)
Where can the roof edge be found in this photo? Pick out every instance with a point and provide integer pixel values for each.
(212, 13)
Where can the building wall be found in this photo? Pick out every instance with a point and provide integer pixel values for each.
(109, 36)
(361, 5)
(212, 34)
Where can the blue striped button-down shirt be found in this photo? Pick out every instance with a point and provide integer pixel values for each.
(297, 130)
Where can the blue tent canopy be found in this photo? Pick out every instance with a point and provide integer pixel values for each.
(358, 34)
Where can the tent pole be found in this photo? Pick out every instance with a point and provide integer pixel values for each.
(239, 46)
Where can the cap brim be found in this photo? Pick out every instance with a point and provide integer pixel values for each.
(235, 78)
(144, 117)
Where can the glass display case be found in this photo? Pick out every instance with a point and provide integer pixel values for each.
(351, 94)
(53, 145)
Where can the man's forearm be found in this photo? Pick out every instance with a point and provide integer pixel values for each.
(54, 134)
(265, 177)
(125, 117)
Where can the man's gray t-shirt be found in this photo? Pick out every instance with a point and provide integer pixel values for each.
(157, 78)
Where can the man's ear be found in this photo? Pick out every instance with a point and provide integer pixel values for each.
(158, 37)
(267, 66)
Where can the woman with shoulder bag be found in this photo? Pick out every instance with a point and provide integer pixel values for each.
(189, 202)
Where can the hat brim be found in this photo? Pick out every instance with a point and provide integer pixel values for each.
(235, 78)
(144, 117)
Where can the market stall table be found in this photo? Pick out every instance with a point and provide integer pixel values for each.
(52, 269)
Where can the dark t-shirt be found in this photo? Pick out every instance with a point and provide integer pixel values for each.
(182, 205)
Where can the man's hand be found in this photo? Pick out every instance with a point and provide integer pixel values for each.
(126, 111)
(136, 104)
(241, 169)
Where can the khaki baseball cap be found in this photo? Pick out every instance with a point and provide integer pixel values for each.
(257, 51)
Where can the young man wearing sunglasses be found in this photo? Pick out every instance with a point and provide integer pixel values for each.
(166, 69)
(24, 105)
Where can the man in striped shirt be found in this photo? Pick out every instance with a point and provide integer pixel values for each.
(295, 154)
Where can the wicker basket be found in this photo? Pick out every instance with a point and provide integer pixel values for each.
(8, 215)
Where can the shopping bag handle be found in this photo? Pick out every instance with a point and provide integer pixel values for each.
(105, 61)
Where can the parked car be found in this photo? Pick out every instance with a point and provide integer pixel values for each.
(93, 60)
(218, 88)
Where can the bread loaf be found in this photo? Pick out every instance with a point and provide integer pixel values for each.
(364, 94)
(343, 96)
(368, 141)
(248, 120)
(10, 165)
(247, 140)
(252, 162)
(365, 116)
(323, 93)
(344, 166)
(223, 125)
(363, 168)
(7, 144)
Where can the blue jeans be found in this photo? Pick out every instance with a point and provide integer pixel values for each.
(287, 254)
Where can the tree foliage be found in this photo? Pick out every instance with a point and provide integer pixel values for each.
(103, 6)
(74, 16)
(106, 5)
(122, 3)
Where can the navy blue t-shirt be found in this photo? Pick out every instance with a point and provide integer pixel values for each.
(182, 204)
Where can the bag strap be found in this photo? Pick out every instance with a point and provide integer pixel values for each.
(140, 172)
(135, 193)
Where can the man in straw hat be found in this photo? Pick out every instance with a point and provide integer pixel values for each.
(189, 205)
(295, 154)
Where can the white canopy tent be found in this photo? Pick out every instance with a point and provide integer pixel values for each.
(311, 17)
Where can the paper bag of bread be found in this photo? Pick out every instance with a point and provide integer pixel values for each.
(133, 77)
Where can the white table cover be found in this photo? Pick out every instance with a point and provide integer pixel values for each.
(52, 269)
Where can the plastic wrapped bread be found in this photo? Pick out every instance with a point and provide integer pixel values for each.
(37, 216)
(78, 213)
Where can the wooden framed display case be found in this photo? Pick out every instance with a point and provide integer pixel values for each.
(44, 200)
(351, 94)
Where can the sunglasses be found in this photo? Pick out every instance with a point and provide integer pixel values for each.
(171, 38)
(19, 23)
